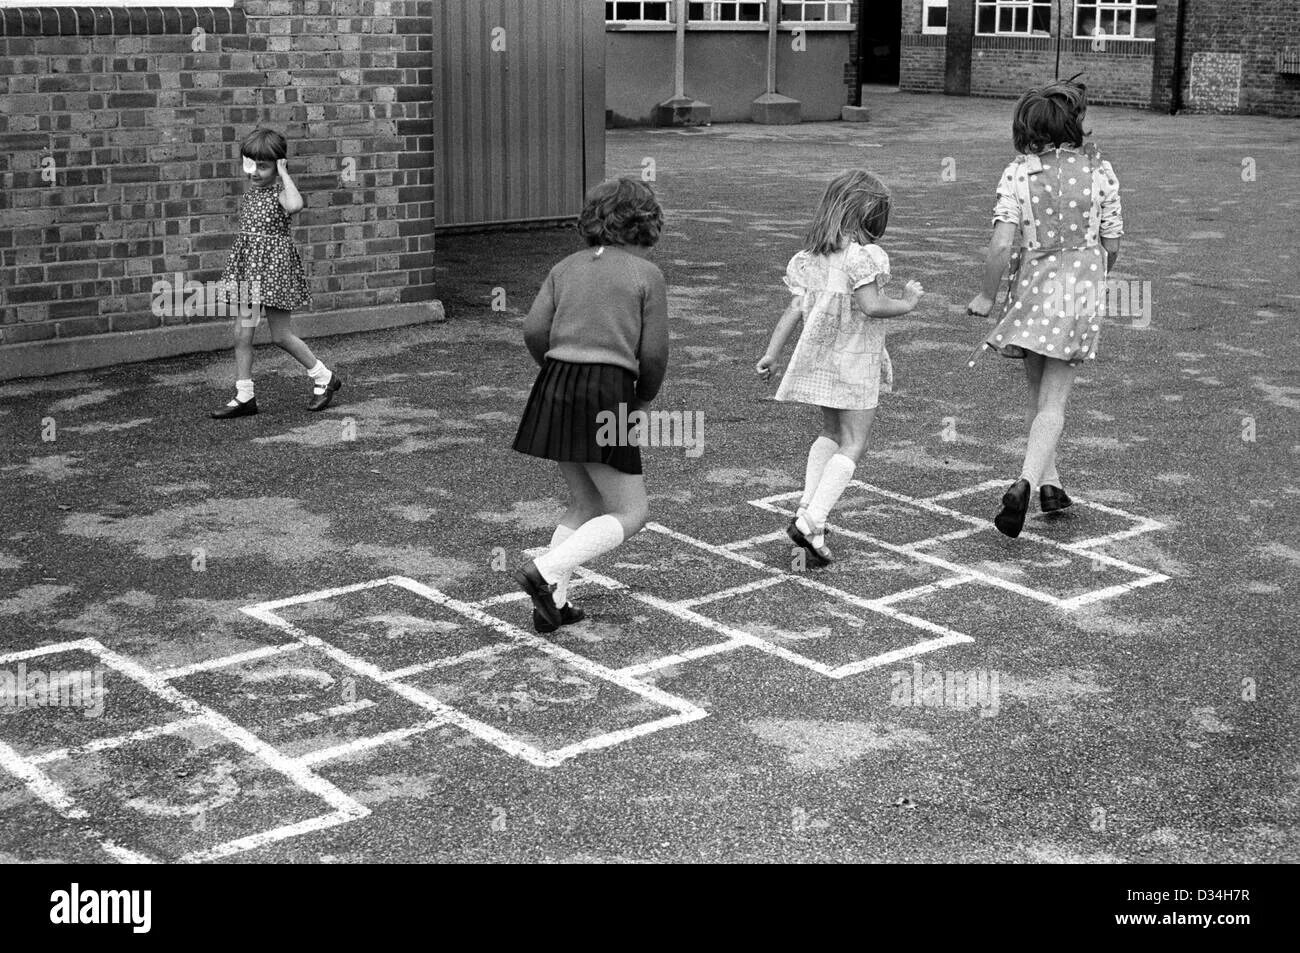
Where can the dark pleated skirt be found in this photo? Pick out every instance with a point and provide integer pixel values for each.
(562, 418)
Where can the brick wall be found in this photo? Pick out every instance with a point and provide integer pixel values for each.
(1004, 66)
(1245, 36)
(138, 120)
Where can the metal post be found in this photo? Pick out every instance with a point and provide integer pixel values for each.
(773, 12)
(680, 70)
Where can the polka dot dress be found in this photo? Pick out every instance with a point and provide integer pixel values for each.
(265, 252)
(1062, 202)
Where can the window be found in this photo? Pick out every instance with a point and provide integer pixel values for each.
(1117, 19)
(639, 11)
(934, 16)
(727, 11)
(1013, 17)
(815, 11)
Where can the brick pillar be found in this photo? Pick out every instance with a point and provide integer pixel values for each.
(961, 29)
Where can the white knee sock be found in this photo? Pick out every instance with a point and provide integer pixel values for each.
(835, 479)
(1043, 435)
(320, 374)
(243, 391)
(822, 449)
(561, 533)
(593, 538)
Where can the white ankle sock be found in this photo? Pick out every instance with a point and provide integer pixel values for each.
(835, 479)
(593, 538)
(561, 533)
(243, 391)
(320, 374)
(822, 449)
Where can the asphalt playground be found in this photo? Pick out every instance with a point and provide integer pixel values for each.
(310, 649)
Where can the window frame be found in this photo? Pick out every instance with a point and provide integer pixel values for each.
(1099, 7)
(717, 5)
(825, 5)
(926, 7)
(998, 6)
(670, 10)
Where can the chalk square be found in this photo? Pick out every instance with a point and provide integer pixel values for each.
(390, 627)
(1058, 574)
(124, 705)
(177, 796)
(817, 626)
(860, 568)
(660, 565)
(538, 705)
(303, 702)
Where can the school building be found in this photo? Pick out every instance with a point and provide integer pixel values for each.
(1221, 56)
(119, 155)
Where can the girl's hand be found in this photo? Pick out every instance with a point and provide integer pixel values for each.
(912, 292)
(764, 367)
(282, 166)
(980, 305)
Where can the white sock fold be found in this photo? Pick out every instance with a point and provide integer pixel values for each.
(822, 449)
(320, 374)
(593, 538)
(562, 533)
(243, 391)
(835, 479)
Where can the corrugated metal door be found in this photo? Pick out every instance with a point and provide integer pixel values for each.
(519, 108)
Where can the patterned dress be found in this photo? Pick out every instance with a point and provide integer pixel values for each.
(1062, 203)
(264, 252)
(840, 359)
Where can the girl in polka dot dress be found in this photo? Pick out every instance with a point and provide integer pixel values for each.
(1057, 226)
(264, 266)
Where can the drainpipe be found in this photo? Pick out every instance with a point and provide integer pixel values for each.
(1176, 94)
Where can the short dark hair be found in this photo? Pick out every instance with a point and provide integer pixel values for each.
(265, 145)
(621, 211)
(1049, 117)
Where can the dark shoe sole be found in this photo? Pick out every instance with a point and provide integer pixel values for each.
(248, 409)
(1011, 519)
(568, 616)
(803, 542)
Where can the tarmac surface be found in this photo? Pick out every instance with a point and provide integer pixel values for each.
(309, 648)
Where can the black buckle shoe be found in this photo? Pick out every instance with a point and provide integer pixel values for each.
(321, 401)
(819, 557)
(246, 408)
(541, 592)
(1053, 498)
(1015, 503)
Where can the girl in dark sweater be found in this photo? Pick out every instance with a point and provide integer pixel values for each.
(599, 331)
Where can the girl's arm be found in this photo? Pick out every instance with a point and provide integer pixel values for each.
(652, 357)
(874, 303)
(290, 199)
(780, 334)
(537, 326)
(995, 266)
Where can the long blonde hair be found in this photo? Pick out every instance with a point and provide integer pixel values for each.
(854, 206)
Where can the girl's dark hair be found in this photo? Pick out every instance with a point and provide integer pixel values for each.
(854, 206)
(265, 145)
(1049, 117)
(621, 211)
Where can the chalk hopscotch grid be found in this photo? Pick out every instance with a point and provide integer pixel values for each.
(345, 809)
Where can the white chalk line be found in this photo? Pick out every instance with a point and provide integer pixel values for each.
(53, 794)
(1066, 604)
(365, 744)
(684, 711)
(253, 655)
(108, 744)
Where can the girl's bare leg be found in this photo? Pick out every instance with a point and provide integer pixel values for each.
(284, 338)
(1045, 430)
